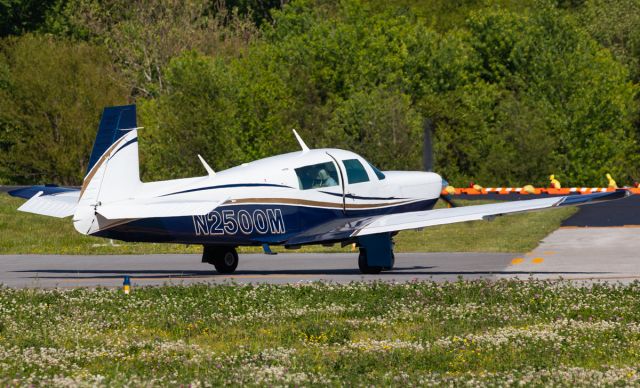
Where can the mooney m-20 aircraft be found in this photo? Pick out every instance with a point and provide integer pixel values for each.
(312, 196)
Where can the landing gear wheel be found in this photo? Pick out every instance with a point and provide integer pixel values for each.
(225, 259)
(365, 268)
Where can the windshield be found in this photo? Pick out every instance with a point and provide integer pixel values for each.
(378, 173)
(317, 175)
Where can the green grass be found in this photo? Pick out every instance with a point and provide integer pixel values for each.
(22, 233)
(419, 333)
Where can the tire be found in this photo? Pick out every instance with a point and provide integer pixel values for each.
(225, 259)
(365, 268)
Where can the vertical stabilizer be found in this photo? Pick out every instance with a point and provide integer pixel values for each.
(115, 123)
(113, 173)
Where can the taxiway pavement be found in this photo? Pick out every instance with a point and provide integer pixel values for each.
(608, 254)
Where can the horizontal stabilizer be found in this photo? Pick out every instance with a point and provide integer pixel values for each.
(57, 205)
(135, 209)
(28, 192)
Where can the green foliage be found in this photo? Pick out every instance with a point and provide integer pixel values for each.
(564, 107)
(20, 16)
(615, 25)
(378, 123)
(258, 10)
(516, 90)
(356, 75)
(143, 36)
(196, 116)
(445, 15)
(51, 96)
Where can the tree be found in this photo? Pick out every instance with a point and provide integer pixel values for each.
(380, 125)
(544, 91)
(21, 16)
(51, 96)
(615, 25)
(196, 115)
(143, 36)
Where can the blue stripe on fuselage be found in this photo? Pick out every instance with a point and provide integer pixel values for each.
(351, 196)
(134, 140)
(228, 186)
(222, 226)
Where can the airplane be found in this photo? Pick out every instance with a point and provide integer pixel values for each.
(311, 196)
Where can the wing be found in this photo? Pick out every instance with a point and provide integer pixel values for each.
(51, 201)
(421, 219)
(350, 228)
(329, 232)
(152, 208)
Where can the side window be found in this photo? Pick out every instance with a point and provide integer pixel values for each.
(355, 171)
(378, 173)
(317, 175)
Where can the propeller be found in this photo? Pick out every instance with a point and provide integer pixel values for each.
(447, 197)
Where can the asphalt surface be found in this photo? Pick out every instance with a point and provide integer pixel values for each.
(607, 254)
(89, 271)
(622, 212)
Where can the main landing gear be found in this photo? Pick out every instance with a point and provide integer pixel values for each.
(225, 259)
(365, 268)
(376, 253)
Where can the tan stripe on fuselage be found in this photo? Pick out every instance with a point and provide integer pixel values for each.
(294, 201)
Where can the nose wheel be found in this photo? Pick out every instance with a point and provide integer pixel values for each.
(225, 259)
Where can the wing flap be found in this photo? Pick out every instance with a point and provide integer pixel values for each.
(332, 231)
(57, 205)
(135, 209)
(421, 219)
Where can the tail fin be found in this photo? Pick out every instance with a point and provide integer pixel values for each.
(115, 123)
(113, 171)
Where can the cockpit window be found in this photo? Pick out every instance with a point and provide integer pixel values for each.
(317, 175)
(355, 171)
(378, 173)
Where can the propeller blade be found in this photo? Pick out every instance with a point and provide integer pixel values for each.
(448, 200)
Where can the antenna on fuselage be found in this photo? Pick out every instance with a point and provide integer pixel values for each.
(304, 146)
(206, 166)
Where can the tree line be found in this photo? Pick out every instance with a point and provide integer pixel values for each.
(513, 92)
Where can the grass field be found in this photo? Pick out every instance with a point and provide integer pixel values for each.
(29, 233)
(463, 333)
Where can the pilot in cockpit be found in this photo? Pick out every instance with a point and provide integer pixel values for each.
(323, 179)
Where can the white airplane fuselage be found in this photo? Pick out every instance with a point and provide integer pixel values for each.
(267, 200)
